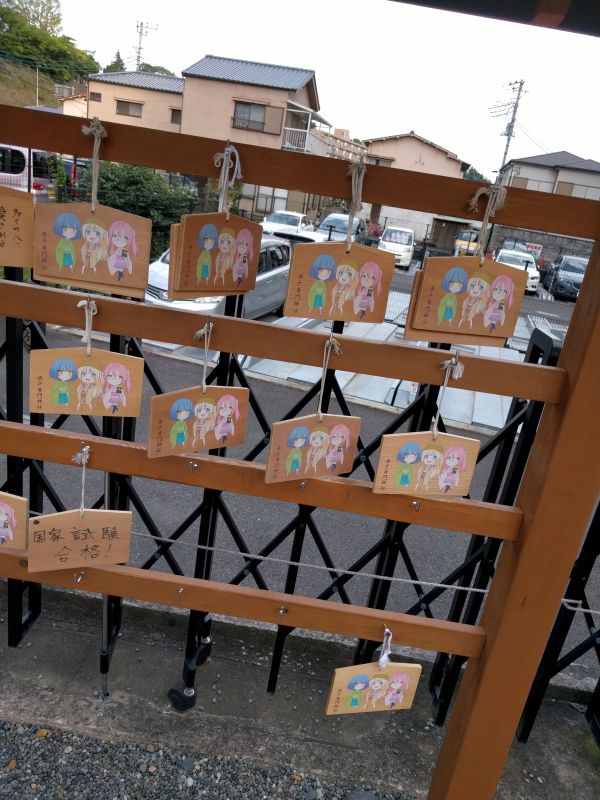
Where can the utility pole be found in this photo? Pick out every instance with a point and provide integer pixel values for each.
(510, 128)
(142, 29)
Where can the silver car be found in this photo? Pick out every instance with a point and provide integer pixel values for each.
(267, 297)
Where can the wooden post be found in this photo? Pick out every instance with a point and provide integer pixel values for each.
(557, 497)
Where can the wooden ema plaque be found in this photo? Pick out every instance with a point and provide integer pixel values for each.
(326, 282)
(419, 464)
(14, 517)
(308, 448)
(67, 381)
(107, 250)
(174, 269)
(215, 255)
(190, 420)
(16, 228)
(68, 539)
(365, 688)
(459, 300)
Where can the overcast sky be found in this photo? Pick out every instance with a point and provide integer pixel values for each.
(382, 67)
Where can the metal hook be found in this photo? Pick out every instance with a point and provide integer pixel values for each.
(282, 611)
(302, 486)
(416, 504)
(193, 466)
(180, 592)
(80, 577)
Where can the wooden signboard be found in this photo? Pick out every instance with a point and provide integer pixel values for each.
(308, 448)
(216, 255)
(191, 420)
(13, 522)
(16, 228)
(459, 300)
(68, 539)
(107, 250)
(67, 381)
(326, 282)
(419, 464)
(174, 270)
(366, 687)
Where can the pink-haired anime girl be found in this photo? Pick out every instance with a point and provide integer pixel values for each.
(8, 522)
(243, 255)
(121, 246)
(454, 464)
(226, 254)
(227, 411)
(339, 440)
(501, 290)
(369, 284)
(116, 380)
(398, 684)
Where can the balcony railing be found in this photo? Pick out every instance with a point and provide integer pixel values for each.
(248, 124)
(294, 139)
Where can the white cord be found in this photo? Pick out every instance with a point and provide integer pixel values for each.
(82, 457)
(91, 309)
(455, 368)
(98, 132)
(204, 333)
(229, 159)
(357, 171)
(330, 344)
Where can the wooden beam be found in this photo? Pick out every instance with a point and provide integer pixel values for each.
(557, 495)
(132, 144)
(230, 335)
(550, 13)
(257, 604)
(242, 477)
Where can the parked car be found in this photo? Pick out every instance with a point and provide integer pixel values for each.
(268, 296)
(286, 222)
(563, 278)
(400, 242)
(515, 258)
(335, 226)
(26, 170)
(510, 243)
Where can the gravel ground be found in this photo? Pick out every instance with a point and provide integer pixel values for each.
(49, 763)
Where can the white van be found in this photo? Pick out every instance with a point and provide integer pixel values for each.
(400, 242)
(18, 172)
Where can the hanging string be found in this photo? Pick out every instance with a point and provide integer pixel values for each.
(205, 333)
(91, 309)
(454, 368)
(330, 344)
(496, 195)
(229, 160)
(82, 458)
(577, 605)
(386, 648)
(96, 130)
(357, 171)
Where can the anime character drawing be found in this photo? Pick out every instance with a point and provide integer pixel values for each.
(227, 411)
(356, 685)
(8, 522)
(63, 370)
(478, 295)
(409, 454)
(323, 270)
(398, 684)
(205, 418)
(369, 284)
(243, 255)
(68, 227)
(346, 276)
(116, 379)
(454, 464)
(377, 689)
(431, 466)
(319, 442)
(454, 283)
(297, 439)
(181, 410)
(95, 245)
(502, 295)
(339, 440)
(207, 240)
(91, 380)
(122, 245)
(226, 254)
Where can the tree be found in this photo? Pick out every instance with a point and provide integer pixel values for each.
(116, 65)
(150, 68)
(42, 14)
(474, 175)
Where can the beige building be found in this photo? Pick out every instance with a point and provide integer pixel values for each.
(557, 173)
(340, 145)
(410, 151)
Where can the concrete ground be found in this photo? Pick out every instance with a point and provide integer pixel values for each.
(52, 680)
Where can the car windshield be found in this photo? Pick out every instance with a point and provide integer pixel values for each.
(397, 237)
(282, 219)
(339, 222)
(515, 260)
(467, 236)
(574, 265)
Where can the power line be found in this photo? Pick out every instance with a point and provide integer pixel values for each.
(532, 138)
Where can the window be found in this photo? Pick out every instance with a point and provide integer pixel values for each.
(270, 199)
(263, 262)
(279, 256)
(176, 116)
(96, 97)
(40, 165)
(11, 161)
(129, 109)
(249, 116)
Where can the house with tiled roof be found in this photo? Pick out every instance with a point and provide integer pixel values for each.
(557, 173)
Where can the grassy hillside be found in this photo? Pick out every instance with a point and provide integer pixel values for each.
(17, 86)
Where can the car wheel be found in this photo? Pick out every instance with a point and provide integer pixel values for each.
(279, 311)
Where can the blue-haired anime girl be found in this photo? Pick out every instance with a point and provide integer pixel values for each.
(323, 269)
(356, 685)
(63, 370)
(68, 227)
(181, 411)
(408, 455)
(454, 283)
(297, 439)
(207, 240)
